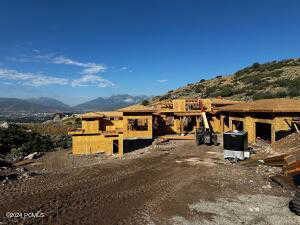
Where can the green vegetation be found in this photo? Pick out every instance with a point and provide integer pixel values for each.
(225, 91)
(145, 102)
(19, 140)
(199, 88)
(276, 79)
(268, 95)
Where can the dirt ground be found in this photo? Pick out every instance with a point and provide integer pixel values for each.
(187, 184)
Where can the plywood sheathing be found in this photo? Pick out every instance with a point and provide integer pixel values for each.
(92, 115)
(223, 102)
(137, 134)
(112, 114)
(137, 108)
(265, 105)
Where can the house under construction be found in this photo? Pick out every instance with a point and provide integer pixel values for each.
(179, 118)
(267, 119)
(107, 131)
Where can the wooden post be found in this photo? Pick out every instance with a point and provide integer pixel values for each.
(273, 133)
(121, 150)
(222, 123)
(249, 126)
(181, 126)
(295, 125)
(197, 122)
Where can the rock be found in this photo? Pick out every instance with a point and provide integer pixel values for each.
(21, 169)
(267, 186)
(4, 163)
(32, 155)
(4, 182)
(4, 125)
(57, 118)
(254, 209)
(25, 175)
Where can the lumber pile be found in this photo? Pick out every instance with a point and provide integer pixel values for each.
(290, 162)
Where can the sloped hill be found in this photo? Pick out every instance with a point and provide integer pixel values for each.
(20, 105)
(111, 103)
(44, 104)
(276, 79)
(51, 102)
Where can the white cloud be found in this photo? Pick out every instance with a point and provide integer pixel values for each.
(92, 80)
(162, 81)
(37, 80)
(32, 79)
(89, 72)
(91, 68)
(122, 69)
(129, 100)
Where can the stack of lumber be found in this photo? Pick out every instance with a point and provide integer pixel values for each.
(290, 162)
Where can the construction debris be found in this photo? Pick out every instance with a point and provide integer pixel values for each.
(295, 203)
(33, 155)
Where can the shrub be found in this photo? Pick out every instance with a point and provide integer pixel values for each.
(145, 102)
(17, 152)
(283, 82)
(225, 91)
(165, 97)
(62, 142)
(210, 91)
(263, 95)
(255, 65)
(21, 141)
(294, 92)
(293, 86)
(275, 73)
(199, 88)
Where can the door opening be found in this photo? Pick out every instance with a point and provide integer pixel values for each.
(115, 146)
(237, 125)
(263, 131)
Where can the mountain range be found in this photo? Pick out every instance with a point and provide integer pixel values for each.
(276, 79)
(111, 103)
(45, 104)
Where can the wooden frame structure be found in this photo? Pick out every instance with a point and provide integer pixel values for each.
(107, 131)
(278, 114)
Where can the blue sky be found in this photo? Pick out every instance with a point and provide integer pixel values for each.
(79, 50)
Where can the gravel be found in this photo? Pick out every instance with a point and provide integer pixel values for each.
(244, 210)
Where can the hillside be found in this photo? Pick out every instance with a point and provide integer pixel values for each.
(258, 81)
(21, 105)
(51, 102)
(50, 105)
(111, 103)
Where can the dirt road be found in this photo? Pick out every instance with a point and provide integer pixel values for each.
(188, 185)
